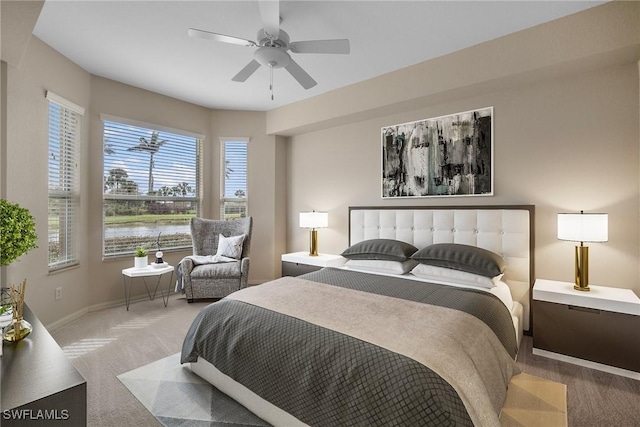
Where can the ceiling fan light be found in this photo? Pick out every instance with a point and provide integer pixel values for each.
(272, 57)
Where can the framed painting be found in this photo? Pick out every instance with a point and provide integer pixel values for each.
(443, 156)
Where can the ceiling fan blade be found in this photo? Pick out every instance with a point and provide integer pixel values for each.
(321, 46)
(300, 75)
(247, 71)
(220, 37)
(270, 14)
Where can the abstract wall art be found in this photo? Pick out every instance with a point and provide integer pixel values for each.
(443, 156)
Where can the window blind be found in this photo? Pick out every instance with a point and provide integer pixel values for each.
(151, 188)
(64, 183)
(233, 178)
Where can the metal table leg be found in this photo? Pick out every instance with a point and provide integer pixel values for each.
(127, 292)
(166, 300)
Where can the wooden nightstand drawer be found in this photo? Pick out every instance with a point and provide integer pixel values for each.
(297, 263)
(296, 269)
(600, 326)
(587, 333)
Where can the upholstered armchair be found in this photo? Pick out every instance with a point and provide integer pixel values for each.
(202, 279)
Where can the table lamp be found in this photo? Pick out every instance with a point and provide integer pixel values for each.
(582, 227)
(314, 220)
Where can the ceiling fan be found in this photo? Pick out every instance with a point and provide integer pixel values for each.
(273, 45)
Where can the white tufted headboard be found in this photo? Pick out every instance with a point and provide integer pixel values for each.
(505, 230)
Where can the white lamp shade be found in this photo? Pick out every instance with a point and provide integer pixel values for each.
(582, 227)
(314, 219)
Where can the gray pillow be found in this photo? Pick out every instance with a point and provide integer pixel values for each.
(462, 257)
(381, 249)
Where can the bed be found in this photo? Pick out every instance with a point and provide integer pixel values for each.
(369, 344)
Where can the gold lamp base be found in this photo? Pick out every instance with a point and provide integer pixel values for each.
(313, 243)
(582, 268)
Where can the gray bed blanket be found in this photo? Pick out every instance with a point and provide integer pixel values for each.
(335, 371)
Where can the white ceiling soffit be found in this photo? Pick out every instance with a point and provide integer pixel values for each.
(145, 43)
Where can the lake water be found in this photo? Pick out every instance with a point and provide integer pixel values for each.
(113, 232)
(146, 231)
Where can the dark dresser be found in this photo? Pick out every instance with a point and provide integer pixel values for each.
(40, 386)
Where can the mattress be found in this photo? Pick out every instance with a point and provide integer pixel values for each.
(240, 345)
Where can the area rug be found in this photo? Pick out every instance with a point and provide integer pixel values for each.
(179, 398)
(534, 401)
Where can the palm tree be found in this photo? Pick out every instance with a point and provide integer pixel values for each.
(183, 189)
(129, 187)
(108, 148)
(151, 147)
(165, 191)
(227, 169)
(115, 178)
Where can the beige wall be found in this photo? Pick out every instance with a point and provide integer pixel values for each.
(109, 97)
(563, 145)
(566, 133)
(26, 173)
(264, 195)
(95, 282)
(566, 115)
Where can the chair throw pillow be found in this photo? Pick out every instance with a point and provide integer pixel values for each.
(230, 246)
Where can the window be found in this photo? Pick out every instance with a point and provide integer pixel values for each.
(233, 203)
(65, 119)
(151, 186)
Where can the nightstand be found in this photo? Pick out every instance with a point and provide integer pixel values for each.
(599, 329)
(297, 263)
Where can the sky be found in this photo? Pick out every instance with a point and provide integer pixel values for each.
(174, 162)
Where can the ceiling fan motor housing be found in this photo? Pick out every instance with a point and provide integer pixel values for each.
(274, 57)
(281, 41)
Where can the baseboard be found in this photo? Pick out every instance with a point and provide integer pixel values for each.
(587, 364)
(54, 326)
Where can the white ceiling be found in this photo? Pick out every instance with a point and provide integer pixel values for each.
(145, 43)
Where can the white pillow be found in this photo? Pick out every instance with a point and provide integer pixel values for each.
(230, 246)
(441, 274)
(502, 291)
(381, 266)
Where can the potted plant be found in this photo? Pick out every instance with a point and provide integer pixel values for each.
(17, 237)
(140, 260)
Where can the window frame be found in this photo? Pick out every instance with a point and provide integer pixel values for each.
(198, 191)
(67, 191)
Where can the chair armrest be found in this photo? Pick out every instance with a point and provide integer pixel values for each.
(187, 266)
(244, 272)
(244, 266)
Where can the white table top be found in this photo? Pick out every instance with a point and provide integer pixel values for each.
(149, 270)
(599, 297)
(321, 260)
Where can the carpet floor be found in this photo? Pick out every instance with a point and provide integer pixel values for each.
(107, 343)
